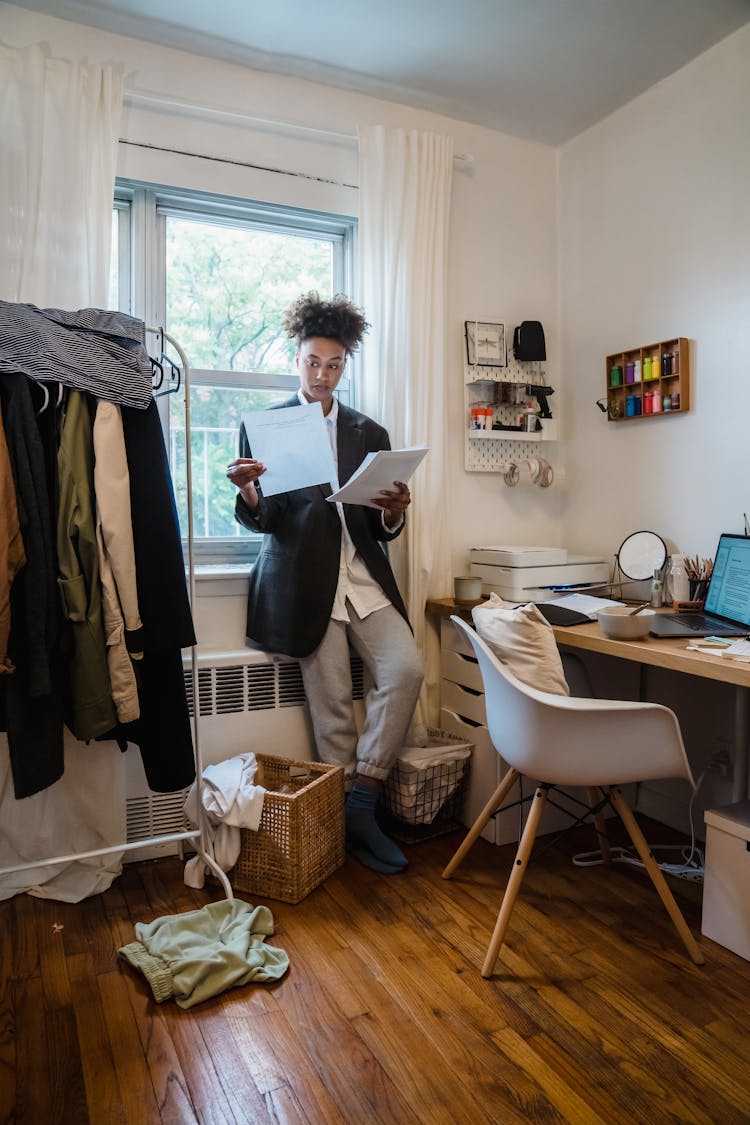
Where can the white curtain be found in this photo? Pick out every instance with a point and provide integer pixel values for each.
(59, 126)
(405, 190)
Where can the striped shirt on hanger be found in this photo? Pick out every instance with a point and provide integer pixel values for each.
(93, 350)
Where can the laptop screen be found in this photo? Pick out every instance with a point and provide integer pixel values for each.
(729, 588)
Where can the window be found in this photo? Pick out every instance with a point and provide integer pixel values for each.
(218, 274)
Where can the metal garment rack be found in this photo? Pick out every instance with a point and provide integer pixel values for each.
(197, 835)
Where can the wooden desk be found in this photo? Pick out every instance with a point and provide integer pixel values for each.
(656, 652)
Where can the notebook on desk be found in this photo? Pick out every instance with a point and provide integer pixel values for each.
(727, 606)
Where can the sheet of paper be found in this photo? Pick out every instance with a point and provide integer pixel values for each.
(379, 471)
(293, 445)
(583, 603)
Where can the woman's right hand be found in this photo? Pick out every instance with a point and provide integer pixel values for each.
(243, 473)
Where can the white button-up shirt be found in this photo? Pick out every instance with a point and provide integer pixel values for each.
(355, 581)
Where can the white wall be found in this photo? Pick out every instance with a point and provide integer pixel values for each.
(654, 244)
(503, 221)
(654, 235)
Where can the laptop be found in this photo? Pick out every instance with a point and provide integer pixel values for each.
(727, 606)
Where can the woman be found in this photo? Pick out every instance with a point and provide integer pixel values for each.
(322, 581)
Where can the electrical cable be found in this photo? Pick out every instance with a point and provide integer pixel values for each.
(693, 860)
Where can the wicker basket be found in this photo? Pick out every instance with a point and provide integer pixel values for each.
(300, 841)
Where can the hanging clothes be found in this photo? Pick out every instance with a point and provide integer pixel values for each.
(89, 350)
(12, 554)
(130, 496)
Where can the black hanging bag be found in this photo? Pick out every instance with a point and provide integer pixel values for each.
(528, 341)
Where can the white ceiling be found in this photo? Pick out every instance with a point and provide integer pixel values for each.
(541, 69)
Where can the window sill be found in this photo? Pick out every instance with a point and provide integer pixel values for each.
(216, 580)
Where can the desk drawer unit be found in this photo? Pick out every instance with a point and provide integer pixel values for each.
(464, 714)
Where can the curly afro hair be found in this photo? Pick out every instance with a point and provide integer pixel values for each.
(337, 319)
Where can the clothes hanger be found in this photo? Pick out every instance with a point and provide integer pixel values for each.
(157, 370)
(175, 378)
(45, 391)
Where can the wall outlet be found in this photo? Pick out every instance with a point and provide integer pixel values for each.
(721, 762)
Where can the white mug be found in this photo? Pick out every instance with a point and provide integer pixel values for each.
(467, 589)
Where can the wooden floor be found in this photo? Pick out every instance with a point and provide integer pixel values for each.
(595, 1013)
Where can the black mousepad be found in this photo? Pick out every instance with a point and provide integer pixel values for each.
(561, 615)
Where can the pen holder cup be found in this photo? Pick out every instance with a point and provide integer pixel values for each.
(697, 589)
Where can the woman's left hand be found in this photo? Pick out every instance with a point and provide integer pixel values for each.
(394, 503)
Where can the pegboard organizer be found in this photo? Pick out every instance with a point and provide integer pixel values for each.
(491, 451)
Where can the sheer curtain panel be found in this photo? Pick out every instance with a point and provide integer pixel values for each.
(405, 190)
(59, 126)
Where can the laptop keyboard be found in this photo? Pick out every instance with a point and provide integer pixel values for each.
(696, 622)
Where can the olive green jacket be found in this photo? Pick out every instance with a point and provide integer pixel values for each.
(90, 710)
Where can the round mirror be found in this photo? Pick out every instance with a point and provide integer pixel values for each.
(641, 554)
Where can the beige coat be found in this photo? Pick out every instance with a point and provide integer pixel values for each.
(114, 536)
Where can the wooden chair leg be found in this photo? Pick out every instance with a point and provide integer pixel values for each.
(477, 827)
(600, 825)
(657, 878)
(516, 878)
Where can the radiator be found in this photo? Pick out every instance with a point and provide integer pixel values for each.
(250, 701)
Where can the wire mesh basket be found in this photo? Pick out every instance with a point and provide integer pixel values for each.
(421, 801)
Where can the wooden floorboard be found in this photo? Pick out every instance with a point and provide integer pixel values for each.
(594, 1013)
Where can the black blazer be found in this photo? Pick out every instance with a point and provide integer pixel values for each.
(294, 580)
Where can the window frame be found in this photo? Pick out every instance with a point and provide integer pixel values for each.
(143, 209)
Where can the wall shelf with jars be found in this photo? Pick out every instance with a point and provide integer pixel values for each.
(649, 381)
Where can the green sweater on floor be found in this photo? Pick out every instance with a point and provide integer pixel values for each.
(197, 955)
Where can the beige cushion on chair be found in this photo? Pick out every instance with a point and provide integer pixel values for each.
(523, 641)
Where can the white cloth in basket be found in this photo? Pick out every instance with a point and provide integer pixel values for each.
(231, 801)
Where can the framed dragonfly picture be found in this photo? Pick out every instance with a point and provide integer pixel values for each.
(485, 344)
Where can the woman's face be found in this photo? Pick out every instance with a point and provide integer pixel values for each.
(320, 363)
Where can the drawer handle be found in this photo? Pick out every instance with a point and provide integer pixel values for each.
(473, 723)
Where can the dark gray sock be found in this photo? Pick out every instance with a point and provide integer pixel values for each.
(362, 828)
(367, 859)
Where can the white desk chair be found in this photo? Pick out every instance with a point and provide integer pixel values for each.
(561, 740)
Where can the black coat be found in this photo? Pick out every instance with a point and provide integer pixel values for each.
(293, 583)
(31, 707)
(163, 731)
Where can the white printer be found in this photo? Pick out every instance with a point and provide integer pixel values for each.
(535, 574)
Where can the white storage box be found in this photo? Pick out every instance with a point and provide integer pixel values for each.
(726, 884)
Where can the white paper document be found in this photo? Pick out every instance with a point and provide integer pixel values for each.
(293, 445)
(583, 603)
(379, 471)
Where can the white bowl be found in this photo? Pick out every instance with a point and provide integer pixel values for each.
(621, 624)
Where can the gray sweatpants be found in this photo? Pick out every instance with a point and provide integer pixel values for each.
(394, 673)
